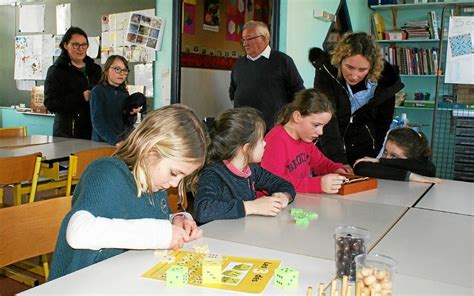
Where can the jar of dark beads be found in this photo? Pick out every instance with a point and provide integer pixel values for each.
(350, 241)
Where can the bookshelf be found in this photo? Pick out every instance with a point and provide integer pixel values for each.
(413, 56)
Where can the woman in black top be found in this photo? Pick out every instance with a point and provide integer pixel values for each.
(68, 85)
(406, 157)
(362, 87)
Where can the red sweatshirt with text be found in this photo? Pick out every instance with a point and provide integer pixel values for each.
(299, 162)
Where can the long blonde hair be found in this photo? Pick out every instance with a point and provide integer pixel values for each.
(173, 132)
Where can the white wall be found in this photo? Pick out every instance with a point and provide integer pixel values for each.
(205, 90)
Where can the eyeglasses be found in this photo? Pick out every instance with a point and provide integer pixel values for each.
(247, 39)
(80, 45)
(119, 70)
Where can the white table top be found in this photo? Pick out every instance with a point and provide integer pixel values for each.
(433, 245)
(388, 192)
(450, 196)
(281, 233)
(121, 275)
(12, 142)
(54, 151)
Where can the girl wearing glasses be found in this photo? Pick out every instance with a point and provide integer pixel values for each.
(108, 100)
(67, 86)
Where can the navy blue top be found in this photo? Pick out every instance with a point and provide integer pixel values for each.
(107, 103)
(221, 193)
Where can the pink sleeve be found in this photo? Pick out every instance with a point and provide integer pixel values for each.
(275, 160)
(321, 165)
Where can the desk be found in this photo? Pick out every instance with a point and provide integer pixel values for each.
(56, 151)
(281, 233)
(121, 275)
(451, 196)
(17, 142)
(389, 192)
(432, 245)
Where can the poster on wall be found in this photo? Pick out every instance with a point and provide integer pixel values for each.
(261, 11)
(460, 50)
(31, 18)
(189, 19)
(145, 31)
(114, 29)
(235, 19)
(33, 56)
(211, 15)
(63, 18)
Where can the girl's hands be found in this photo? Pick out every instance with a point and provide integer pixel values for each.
(265, 206)
(366, 159)
(284, 198)
(183, 230)
(423, 179)
(331, 183)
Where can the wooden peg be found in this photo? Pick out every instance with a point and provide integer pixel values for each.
(333, 287)
(321, 289)
(309, 291)
(344, 285)
(349, 290)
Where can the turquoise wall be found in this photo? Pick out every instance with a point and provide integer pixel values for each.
(164, 8)
(299, 31)
(35, 124)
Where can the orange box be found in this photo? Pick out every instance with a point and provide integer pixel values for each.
(356, 184)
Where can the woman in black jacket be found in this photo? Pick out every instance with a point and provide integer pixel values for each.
(67, 86)
(362, 87)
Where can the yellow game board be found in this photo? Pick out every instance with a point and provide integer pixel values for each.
(241, 274)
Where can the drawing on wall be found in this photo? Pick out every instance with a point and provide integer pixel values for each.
(235, 19)
(33, 56)
(211, 15)
(189, 19)
(145, 31)
(460, 51)
(114, 31)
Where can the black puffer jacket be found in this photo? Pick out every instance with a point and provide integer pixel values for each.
(63, 89)
(349, 137)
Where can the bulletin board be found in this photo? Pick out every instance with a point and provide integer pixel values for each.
(84, 14)
(211, 30)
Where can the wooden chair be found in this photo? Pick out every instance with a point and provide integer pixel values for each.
(17, 170)
(79, 161)
(13, 131)
(175, 204)
(34, 232)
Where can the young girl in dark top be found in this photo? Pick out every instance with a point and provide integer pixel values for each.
(227, 185)
(406, 157)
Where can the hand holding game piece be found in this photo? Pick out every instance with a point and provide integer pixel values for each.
(284, 198)
(189, 226)
(179, 236)
(265, 206)
(331, 183)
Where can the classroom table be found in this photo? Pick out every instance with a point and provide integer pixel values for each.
(17, 142)
(121, 275)
(450, 196)
(316, 239)
(388, 192)
(56, 151)
(433, 245)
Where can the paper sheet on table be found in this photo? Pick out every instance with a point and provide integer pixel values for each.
(31, 18)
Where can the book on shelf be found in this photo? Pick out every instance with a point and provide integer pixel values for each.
(418, 104)
(378, 25)
(411, 60)
(395, 35)
(433, 24)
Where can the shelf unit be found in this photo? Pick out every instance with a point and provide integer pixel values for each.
(421, 117)
(449, 126)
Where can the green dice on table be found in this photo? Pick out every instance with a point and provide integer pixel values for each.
(177, 276)
(286, 278)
